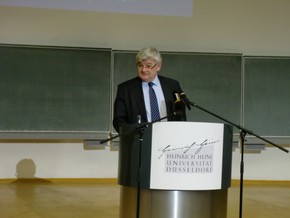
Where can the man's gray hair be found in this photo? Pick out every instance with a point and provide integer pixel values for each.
(149, 52)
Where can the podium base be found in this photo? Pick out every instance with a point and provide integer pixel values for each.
(173, 204)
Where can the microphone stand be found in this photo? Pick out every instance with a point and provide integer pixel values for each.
(140, 130)
(243, 133)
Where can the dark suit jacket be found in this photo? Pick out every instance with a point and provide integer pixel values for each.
(129, 102)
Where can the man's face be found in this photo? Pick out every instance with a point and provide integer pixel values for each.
(148, 69)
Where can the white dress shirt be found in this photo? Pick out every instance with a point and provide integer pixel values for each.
(160, 98)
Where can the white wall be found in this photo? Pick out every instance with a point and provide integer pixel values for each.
(248, 26)
(56, 160)
(251, 27)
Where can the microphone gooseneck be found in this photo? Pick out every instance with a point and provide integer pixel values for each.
(185, 100)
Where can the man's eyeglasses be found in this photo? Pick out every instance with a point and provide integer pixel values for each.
(148, 67)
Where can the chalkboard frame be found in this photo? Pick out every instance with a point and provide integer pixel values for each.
(112, 74)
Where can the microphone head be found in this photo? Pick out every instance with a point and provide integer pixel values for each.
(176, 96)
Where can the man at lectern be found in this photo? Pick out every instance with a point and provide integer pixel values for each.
(149, 96)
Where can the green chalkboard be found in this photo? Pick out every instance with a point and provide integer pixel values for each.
(54, 89)
(212, 81)
(267, 95)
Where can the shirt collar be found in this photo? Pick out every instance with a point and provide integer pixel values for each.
(156, 81)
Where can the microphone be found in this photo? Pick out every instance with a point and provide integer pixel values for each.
(178, 105)
(185, 100)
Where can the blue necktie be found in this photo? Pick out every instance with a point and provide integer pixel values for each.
(155, 115)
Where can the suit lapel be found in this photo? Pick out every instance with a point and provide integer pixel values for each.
(139, 97)
(167, 94)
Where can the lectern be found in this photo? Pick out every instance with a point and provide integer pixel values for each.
(175, 170)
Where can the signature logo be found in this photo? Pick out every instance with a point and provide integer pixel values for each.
(186, 148)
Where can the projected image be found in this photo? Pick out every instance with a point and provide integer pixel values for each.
(150, 7)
